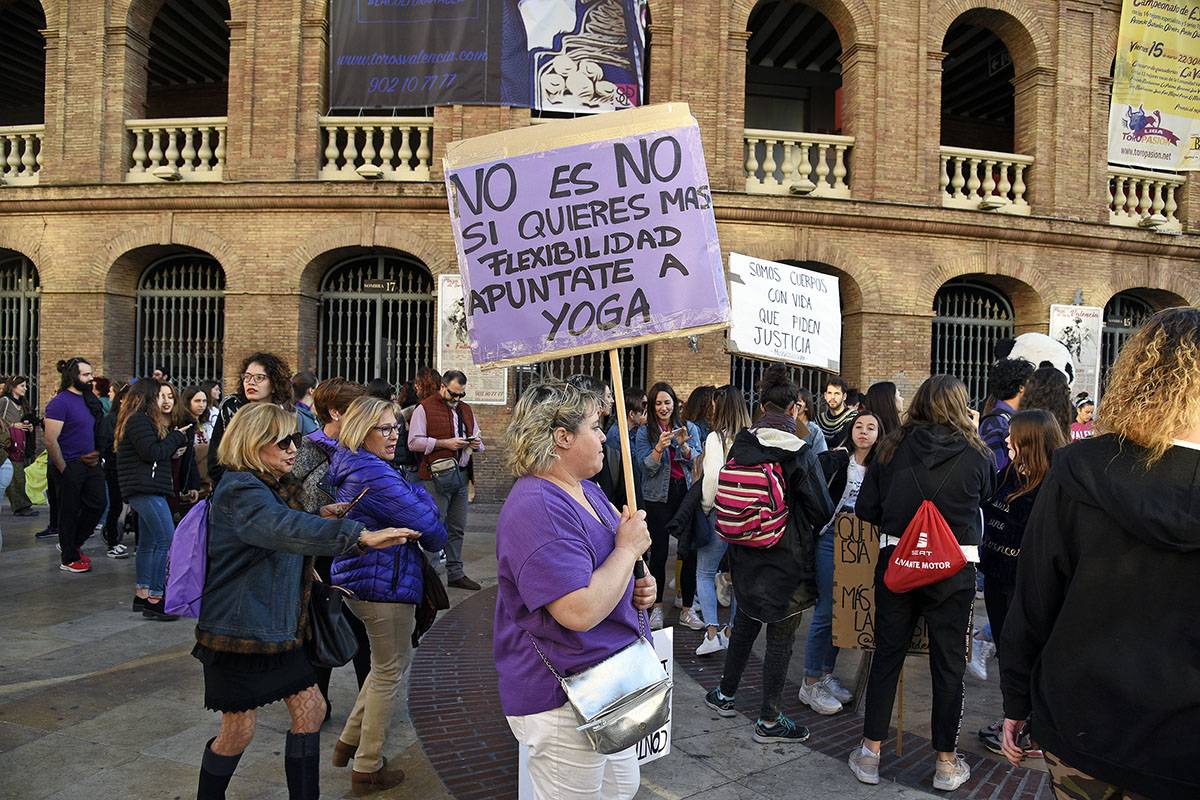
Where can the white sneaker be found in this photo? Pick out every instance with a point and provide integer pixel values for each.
(678, 601)
(656, 619)
(119, 551)
(817, 697)
(690, 619)
(981, 652)
(950, 775)
(714, 645)
(865, 765)
(724, 589)
(835, 688)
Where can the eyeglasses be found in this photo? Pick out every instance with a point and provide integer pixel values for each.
(288, 442)
(455, 395)
(387, 431)
(254, 378)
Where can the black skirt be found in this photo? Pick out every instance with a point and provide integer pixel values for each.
(236, 682)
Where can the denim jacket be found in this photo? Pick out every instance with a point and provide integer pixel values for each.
(656, 477)
(248, 523)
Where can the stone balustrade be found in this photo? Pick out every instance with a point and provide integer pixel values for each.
(786, 162)
(186, 149)
(376, 148)
(20, 154)
(983, 180)
(1144, 199)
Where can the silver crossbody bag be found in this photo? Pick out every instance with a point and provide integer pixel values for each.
(621, 700)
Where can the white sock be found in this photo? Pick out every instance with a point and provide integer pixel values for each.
(867, 752)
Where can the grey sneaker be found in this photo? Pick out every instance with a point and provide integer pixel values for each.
(950, 775)
(835, 688)
(656, 619)
(864, 765)
(783, 729)
(817, 697)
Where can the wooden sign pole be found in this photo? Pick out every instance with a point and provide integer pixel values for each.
(618, 390)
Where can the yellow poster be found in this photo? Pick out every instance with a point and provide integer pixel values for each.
(1154, 120)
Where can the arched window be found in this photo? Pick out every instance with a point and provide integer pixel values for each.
(1122, 316)
(978, 107)
(969, 318)
(22, 91)
(189, 60)
(19, 291)
(377, 318)
(181, 318)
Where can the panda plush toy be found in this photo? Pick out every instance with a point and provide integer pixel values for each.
(1038, 349)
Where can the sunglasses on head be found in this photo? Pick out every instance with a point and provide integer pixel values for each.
(290, 441)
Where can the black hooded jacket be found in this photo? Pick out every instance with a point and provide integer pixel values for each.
(774, 583)
(1101, 643)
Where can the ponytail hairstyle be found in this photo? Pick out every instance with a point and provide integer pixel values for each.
(940, 400)
(776, 390)
(1034, 436)
(68, 371)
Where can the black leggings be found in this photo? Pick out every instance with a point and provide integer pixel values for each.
(997, 597)
(781, 636)
(658, 516)
(112, 524)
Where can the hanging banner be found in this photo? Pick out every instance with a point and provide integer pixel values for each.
(454, 347)
(579, 56)
(784, 313)
(1080, 328)
(1154, 118)
(585, 235)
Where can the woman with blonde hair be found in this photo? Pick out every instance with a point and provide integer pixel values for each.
(386, 583)
(565, 563)
(254, 618)
(1100, 649)
(936, 455)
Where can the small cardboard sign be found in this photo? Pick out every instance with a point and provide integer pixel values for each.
(855, 554)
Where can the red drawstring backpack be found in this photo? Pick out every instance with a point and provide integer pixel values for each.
(928, 551)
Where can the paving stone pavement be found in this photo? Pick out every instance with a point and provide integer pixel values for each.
(97, 702)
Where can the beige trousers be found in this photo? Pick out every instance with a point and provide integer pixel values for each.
(389, 626)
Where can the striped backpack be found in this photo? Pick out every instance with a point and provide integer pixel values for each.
(751, 504)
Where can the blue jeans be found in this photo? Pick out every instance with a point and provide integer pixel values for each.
(820, 655)
(708, 559)
(155, 531)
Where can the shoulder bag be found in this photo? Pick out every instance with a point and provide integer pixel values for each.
(332, 643)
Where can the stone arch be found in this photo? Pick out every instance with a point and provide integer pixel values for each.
(139, 15)
(1029, 290)
(1168, 292)
(1020, 29)
(850, 18)
(118, 266)
(305, 265)
(20, 239)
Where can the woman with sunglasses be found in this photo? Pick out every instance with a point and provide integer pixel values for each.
(146, 441)
(253, 622)
(386, 583)
(263, 378)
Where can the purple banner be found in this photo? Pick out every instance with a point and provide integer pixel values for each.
(584, 247)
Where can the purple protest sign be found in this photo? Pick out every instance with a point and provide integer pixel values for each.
(585, 235)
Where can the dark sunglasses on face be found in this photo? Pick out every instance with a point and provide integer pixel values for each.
(455, 395)
(290, 441)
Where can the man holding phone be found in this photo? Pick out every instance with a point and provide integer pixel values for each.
(444, 434)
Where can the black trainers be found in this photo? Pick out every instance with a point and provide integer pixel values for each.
(46, 533)
(26, 512)
(722, 705)
(784, 730)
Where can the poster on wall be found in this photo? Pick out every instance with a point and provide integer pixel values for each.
(585, 235)
(1154, 117)
(784, 313)
(1080, 328)
(454, 347)
(577, 56)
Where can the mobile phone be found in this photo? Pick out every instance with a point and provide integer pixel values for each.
(678, 431)
(354, 502)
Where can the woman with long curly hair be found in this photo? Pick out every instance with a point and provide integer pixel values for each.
(263, 378)
(1100, 648)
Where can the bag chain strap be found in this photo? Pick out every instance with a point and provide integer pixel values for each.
(641, 634)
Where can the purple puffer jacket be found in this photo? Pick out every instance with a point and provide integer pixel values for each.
(392, 575)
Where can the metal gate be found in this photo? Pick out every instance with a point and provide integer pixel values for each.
(745, 373)
(633, 369)
(19, 294)
(1123, 314)
(181, 318)
(969, 318)
(377, 315)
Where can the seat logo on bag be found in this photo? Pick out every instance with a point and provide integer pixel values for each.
(923, 541)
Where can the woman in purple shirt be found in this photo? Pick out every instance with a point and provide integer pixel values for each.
(565, 559)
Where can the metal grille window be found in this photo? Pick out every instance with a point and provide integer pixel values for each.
(181, 318)
(633, 369)
(969, 318)
(377, 315)
(1123, 314)
(19, 293)
(745, 374)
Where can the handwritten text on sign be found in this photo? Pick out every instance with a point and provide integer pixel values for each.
(587, 245)
(784, 313)
(855, 554)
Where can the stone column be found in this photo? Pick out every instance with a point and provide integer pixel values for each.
(859, 91)
(1034, 102)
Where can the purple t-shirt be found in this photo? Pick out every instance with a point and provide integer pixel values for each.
(547, 546)
(78, 436)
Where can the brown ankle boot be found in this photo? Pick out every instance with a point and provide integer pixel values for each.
(367, 782)
(342, 753)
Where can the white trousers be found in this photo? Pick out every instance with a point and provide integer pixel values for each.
(563, 765)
